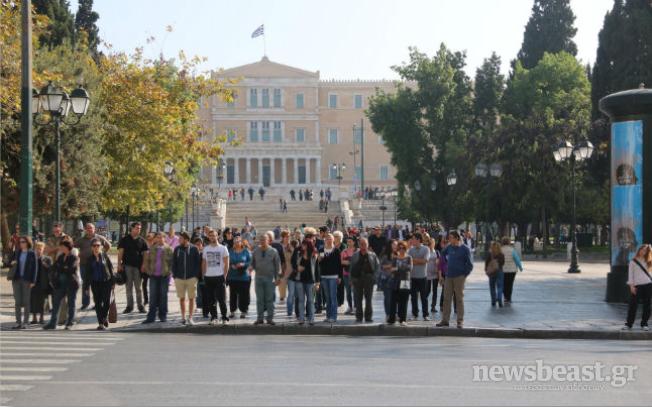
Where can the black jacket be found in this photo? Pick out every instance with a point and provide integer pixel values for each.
(88, 268)
(186, 262)
(331, 264)
(30, 271)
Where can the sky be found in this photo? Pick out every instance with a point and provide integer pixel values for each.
(343, 39)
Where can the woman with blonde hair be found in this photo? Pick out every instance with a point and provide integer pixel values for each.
(640, 285)
(493, 267)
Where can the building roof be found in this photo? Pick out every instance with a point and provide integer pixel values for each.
(266, 69)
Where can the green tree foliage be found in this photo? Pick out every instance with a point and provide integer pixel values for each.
(437, 114)
(85, 20)
(61, 27)
(550, 29)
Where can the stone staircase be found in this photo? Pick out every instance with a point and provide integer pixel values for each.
(266, 215)
(370, 213)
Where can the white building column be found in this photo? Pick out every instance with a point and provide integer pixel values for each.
(260, 170)
(318, 170)
(236, 170)
(248, 170)
(214, 174)
(284, 171)
(307, 170)
(272, 164)
(296, 171)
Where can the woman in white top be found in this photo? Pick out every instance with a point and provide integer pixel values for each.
(640, 285)
(512, 266)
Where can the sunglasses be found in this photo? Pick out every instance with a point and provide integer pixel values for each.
(23, 241)
(97, 245)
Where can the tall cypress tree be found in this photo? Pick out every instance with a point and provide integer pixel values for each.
(61, 26)
(85, 20)
(550, 29)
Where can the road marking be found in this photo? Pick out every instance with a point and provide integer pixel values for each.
(32, 369)
(50, 343)
(55, 355)
(62, 337)
(24, 378)
(49, 348)
(38, 361)
(14, 387)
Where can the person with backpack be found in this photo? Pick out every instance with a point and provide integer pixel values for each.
(511, 267)
(640, 285)
(493, 267)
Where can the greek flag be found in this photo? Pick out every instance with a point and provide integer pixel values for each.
(259, 31)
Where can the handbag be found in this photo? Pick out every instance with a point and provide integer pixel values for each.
(113, 309)
(11, 274)
(492, 267)
(121, 278)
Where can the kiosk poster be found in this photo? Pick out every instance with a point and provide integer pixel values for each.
(626, 190)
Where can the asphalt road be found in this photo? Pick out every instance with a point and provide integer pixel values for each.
(79, 368)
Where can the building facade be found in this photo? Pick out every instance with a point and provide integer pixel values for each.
(288, 129)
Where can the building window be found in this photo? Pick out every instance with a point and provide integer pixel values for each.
(332, 172)
(332, 101)
(230, 135)
(357, 136)
(332, 136)
(357, 101)
(230, 174)
(277, 98)
(358, 173)
(301, 135)
(278, 134)
(253, 132)
(253, 97)
(266, 134)
(381, 140)
(265, 97)
(299, 101)
(384, 173)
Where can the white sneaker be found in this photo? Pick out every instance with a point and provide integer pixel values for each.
(626, 328)
(645, 328)
(190, 321)
(213, 321)
(403, 323)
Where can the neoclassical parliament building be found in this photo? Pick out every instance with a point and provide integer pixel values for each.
(287, 128)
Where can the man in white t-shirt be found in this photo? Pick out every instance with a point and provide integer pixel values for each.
(215, 268)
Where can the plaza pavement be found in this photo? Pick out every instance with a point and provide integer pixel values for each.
(547, 303)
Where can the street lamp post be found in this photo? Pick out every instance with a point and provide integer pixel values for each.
(361, 129)
(220, 176)
(194, 192)
(55, 102)
(483, 170)
(567, 152)
(339, 171)
(27, 109)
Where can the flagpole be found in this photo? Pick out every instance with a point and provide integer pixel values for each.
(264, 45)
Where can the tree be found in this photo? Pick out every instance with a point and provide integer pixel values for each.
(437, 116)
(550, 29)
(61, 28)
(85, 20)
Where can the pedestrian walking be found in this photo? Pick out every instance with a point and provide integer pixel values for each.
(346, 275)
(261, 192)
(493, 267)
(432, 275)
(639, 281)
(239, 278)
(251, 193)
(158, 267)
(459, 267)
(267, 265)
(512, 266)
(41, 289)
(186, 264)
(330, 266)
(99, 275)
(131, 251)
(386, 275)
(307, 278)
(201, 284)
(215, 270)
(400, 283)
(363, 268)
(290, 250)
(83, 244)
(420, 255)
(24, 278)
(65, 281)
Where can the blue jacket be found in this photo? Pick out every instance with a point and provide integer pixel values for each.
(30, 273)
(186, 262)
(459, 261)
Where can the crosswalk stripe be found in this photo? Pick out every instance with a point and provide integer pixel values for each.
(39, 361)
(49, 348)
(32, 369)
(51, 355)
(62, 337)
(14, 387)
(50, 343)
(24, 378)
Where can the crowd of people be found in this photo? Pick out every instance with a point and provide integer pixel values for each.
(308, 271)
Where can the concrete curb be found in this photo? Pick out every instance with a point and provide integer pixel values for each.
(391, 331)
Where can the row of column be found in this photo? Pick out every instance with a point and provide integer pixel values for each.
(234, 163)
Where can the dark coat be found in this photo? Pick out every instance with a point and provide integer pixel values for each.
(30, 273)
(88, 268)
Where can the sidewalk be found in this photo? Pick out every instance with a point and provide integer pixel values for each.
(547, 303)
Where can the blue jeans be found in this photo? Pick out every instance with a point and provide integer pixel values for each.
(329, 287)
(158, 298)
(387, 299)
(304, 292)
(292, 296)
(496, 284)
(59, 294)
